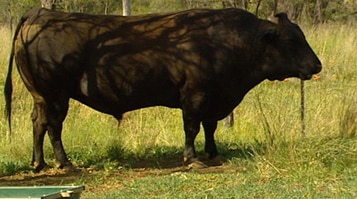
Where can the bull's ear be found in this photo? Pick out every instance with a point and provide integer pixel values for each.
(282, 17)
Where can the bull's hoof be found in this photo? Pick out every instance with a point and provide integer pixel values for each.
(196, 164)
(68, 167)
(40, 167)
(216, 160)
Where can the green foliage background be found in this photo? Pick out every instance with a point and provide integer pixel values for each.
(315, 11)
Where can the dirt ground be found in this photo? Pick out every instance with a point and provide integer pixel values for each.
(101, 180)
(90, 178)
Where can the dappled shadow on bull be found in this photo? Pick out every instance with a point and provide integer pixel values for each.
(201, 61)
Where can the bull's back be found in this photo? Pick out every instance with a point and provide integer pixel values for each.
(84, 55)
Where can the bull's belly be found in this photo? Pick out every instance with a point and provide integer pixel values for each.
(118, 106)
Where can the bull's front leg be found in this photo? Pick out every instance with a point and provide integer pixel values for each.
(210, 145)
(192, 128)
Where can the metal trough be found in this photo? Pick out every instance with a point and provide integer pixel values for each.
(41, 192)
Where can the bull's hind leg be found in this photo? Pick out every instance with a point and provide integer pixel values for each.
(49, 116)
(39, 121)
(56, 113)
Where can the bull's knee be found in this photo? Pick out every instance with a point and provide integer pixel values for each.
(38, 115)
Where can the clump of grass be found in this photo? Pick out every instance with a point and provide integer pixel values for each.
(5, 41)
(10, 167)
(348, 121)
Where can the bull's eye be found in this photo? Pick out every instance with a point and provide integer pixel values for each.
(270, 35)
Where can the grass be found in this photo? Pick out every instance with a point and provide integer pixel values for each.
(266, 156)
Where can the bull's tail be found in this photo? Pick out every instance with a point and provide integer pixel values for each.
(8, 82)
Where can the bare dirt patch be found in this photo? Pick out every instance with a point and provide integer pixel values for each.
(102, 180)
(94, 180)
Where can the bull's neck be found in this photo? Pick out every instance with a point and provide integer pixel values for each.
(243, 84)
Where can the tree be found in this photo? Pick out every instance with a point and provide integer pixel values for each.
(126, 8)
(8, 12)
(12, 10)
(106, 6)
(49, 4)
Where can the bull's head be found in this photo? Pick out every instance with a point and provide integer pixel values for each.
(287, 53)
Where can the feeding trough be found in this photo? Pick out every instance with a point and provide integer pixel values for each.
(41, 192)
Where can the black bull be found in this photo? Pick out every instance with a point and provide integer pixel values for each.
(201, 61)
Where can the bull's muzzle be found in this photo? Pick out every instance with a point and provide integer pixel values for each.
(306, 75)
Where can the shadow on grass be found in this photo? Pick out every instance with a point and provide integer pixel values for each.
(160, 157)
(160, 160)
(167, 157)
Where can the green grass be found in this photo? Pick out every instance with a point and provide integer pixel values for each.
(267, 157)
(306, 168)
